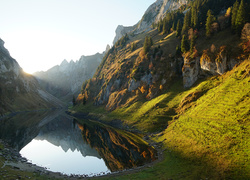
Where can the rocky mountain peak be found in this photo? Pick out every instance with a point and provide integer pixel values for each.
(169, 5)
(64, 63)
(107, 48)
(66, 79)
(7, 63)
(153, 14)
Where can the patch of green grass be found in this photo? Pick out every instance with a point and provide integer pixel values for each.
(172, 167)
(153, 115)
(89, 108)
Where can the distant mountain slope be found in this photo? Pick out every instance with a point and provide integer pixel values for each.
(18, 90)
(65, 80)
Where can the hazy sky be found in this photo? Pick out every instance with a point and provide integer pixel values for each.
(41, 33)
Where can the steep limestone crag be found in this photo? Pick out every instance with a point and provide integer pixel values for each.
(153, 14)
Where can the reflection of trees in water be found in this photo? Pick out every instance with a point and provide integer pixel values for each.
(119, 149)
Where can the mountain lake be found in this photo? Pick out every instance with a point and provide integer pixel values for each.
(61, 143)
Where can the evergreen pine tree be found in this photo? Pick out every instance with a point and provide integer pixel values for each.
(240, 18)
(150, 41)
(178, 51)
(192, 43)
(147, 44)
(160, 25)
(184, 44)
(133, 46)
(178, 28)
(164, 28)
(234, 15)
(194, 17)
(209, 21)
(84, 100)
(187, 22)
(74, 100)
(173, 27)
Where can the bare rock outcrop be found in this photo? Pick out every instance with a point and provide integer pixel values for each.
(190, 70)
(212, 62)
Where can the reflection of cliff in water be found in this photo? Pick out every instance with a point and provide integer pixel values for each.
(54, 126)
(20, 129)
(63, 132)
(119, 149)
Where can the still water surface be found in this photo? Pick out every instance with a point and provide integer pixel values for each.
(54, 158)
(60, 143)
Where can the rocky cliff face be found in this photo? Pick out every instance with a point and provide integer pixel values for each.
(65, 80)
(18, 90)
(153, 14)
(209, 63)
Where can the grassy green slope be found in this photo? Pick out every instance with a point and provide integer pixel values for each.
(216, 129)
